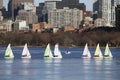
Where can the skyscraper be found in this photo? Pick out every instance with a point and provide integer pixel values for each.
(13, 6)
(68, 2)
(1, 4)
(106, 11)
(65, 17)
(118, 16)
(103, 7)
(114, 4)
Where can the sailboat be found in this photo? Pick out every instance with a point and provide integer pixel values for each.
(48, 52)
(25, 52)
(57, 52)
(9, 53)
(86, 52)
(98, 53)
(107, 53)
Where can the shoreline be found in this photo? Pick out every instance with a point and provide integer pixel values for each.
(59, 47)
(52, 46)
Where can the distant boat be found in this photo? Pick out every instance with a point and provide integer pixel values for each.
(67, 52)
(98, 53)
(57, 52)
(48, 52)
(86, 52)
(26, 53)
(107, 53)
(9, 53)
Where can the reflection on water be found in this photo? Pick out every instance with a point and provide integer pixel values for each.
(9, 61)
(26, 61)
(59, 69)
(52, 69)
(71, 67)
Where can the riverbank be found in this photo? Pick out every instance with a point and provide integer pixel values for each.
(65, 39)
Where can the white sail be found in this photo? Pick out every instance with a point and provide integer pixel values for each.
(48, 52)
(57, 52)
(9, 53)
(107, 53)
(98, 52)
(26, 53)
(86, 52)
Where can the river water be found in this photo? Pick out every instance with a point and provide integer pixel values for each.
(71, 67)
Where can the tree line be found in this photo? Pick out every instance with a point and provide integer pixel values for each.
(65, 39)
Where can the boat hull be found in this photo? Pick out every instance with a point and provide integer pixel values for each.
(57, 57)
(28, 57)
(108, 57)
(9, 57)
(46, 58)
(100, 57)
(86, 57)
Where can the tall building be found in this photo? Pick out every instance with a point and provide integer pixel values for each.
(43, 8)
(118, 16)
(39, 12)
(13, 7)
(114, 4)
(27, 13)
(28, 6)
(103, 8)
(28, 16)
(106, 11)
(1, 4)
(97, 8)
(65, 17)
(69, 2)
(73, 4)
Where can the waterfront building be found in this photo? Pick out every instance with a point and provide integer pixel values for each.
(13, 7)
(36, 28)
(99, 22)
(6, 26)
(20, 25)
(65, 17)
(1, 17)
(40, 27)
(28, 16)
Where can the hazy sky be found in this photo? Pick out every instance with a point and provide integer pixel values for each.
(88, 3)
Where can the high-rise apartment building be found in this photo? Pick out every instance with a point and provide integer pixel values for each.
(65, 17)
(114, 4)
(27, 13)
(69, 2)
(43, 8)
(13, 6)
(106, 10)
(103, 8)
(117, 9)
(1, 4)
(97, 8)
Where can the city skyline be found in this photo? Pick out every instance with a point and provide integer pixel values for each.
(88, 3)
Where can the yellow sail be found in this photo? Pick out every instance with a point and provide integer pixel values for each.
(98, 53)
